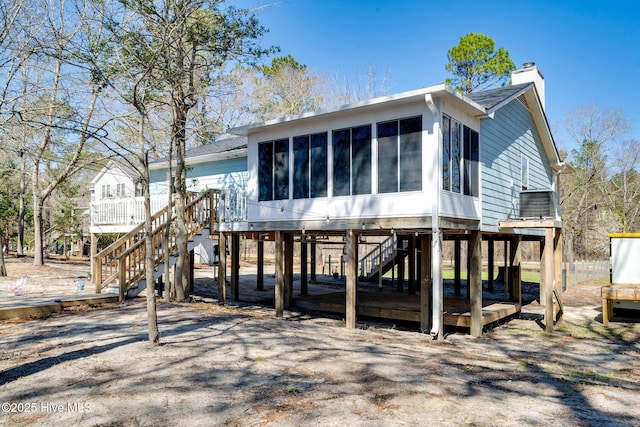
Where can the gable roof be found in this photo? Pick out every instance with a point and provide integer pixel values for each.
(217, 150)
(122, 166)
(493, 99)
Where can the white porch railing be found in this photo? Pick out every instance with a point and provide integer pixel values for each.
(123, 210)
(233, 205)
(130, 210)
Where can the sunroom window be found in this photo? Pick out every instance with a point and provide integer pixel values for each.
(400, 155)
(310, 166)
(460, 158)
(352, 161)
(273, 170)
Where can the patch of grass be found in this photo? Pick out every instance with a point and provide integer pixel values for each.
(260, 359)
(293, 390)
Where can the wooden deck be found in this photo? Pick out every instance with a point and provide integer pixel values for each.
(12, 306)
(617, 292)
(390, 306)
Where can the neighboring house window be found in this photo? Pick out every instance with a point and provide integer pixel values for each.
(460, 158)
(273, 170)
(310, 166)
(120, 190)
(524, 173)
(352, 161)
(471, 162)
(400, 155)
(106, 191)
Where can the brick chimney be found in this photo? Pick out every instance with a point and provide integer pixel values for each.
(529, 73)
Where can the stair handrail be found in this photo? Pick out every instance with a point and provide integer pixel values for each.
(378, 256)
(124, 259)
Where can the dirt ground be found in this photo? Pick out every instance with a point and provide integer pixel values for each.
(240, 366)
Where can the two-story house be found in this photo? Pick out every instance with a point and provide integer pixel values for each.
(418, 167)
(430, 164)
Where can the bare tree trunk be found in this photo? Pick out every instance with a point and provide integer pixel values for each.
(169, 289)
(3, 268)
(152, 315)
(22, 207)
(181, 285)
(38, 254)
(181, 104)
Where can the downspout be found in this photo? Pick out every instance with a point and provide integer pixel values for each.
(436, 244)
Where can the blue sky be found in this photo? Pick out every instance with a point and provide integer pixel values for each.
(588, 51)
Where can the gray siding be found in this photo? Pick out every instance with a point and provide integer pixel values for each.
(505, 139)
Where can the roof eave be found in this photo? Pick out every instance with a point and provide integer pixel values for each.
(211, 157)
(440, 90)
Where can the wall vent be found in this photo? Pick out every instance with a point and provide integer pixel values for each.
(523, 100)
(537, 204)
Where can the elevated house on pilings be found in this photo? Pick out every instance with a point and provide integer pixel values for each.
(422, 166)
(407, 171)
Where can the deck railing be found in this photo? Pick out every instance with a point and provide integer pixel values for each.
(124, 210)
(233, 205)
(123, 261)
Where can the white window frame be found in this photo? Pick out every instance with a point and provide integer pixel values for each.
(524, 173)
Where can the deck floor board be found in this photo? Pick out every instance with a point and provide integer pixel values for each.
(406, 307)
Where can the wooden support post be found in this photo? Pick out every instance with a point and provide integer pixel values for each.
(260, 277)
(419, 246)
(122, 278)
(288, 269)
(96, 268)
(474, 278)
(400, 254)
(542, 267)
(515, 257)
(191, 272)
(160, 286)
(279, 288)
(412, 265)
(352, 278)
(557, 253)
(548, 260)
(491, 260)
(456, 267)
(303, 266)
(313, 259)
(222, 268)
(506, 279)
(235, 266)
(425, 283)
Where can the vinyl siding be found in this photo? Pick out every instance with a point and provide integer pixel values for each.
(229, 173)
(505, 139)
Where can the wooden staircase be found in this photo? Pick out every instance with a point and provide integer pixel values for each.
(384, 258)
(121, 265)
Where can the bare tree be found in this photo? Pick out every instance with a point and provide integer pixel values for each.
(362, 86)
(587, 203)
(194, 38)
(624, 187)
